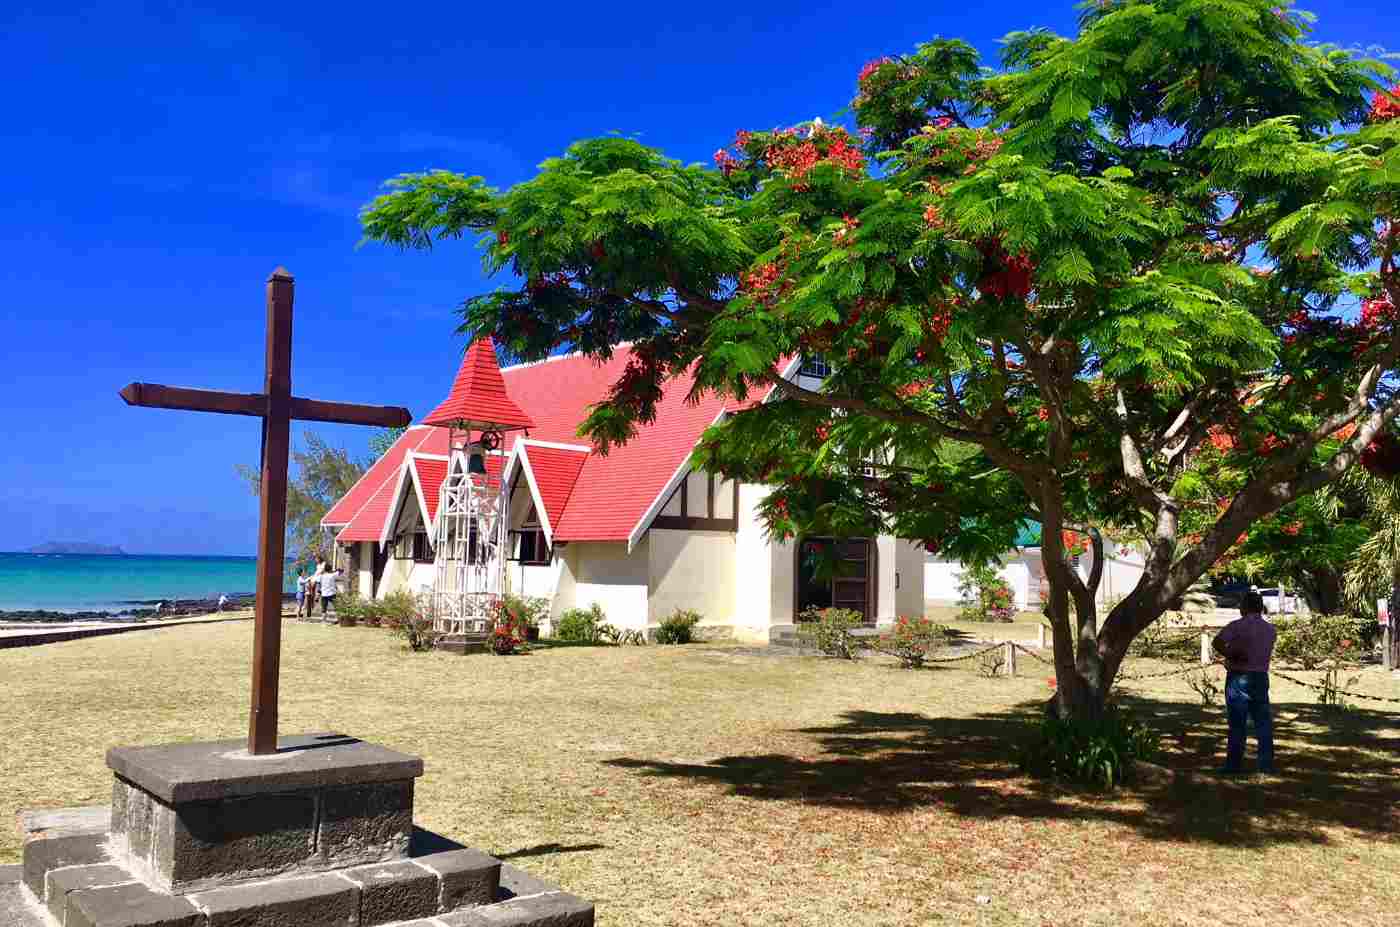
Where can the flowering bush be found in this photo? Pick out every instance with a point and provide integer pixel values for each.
(985, 595)
(418, 630)
(510, 629)
(911, 640)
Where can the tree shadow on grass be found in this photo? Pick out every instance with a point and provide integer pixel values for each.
(1338, 771)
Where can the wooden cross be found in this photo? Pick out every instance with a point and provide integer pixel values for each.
(277, 407)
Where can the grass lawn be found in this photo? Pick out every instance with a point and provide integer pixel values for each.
(703, 785)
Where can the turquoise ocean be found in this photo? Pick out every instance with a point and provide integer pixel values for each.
(72, 582)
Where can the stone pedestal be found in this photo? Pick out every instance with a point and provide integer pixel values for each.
(194, 815)
(318, 834)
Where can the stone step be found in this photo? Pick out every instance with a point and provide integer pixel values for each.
(463, 644)
(82, 883)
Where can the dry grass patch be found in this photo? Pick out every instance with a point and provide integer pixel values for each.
(699, 785)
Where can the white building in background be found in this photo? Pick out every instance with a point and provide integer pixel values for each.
(637, 532)
(1024, 572)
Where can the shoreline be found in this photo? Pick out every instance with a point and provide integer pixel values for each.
(152, 609)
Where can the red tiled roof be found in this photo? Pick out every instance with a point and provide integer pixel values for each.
(386, 467)
(588, 497)
(368, 523)
(429, 474)
(555, 471)
(479, 393)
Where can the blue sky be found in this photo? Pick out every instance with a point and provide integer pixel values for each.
(163, 159)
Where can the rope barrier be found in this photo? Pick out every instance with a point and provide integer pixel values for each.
(1335, 691)
(1032, 654)
(967, 656)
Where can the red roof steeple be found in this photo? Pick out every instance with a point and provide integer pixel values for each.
(479, 396)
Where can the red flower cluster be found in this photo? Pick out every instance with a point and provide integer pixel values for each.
(725, 161)
(1386, 104)
(1005, 275)
(1292, 528)
(1377, 313)
(932, 219)
(870, 67)
(766, 284)
(848, 225)
(1221, 440)
(1270, 444)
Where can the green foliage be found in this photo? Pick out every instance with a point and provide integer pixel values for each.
(1042, 287)
(418, 631)
(829, 631)
(985, 595)
(320, 476)
(390, 612)
(678, 627)
(911, 640)
(383, 439)
(1160, 643)
(1100, 752)
(1316, 641)
(581, 625)
(525, 611)
(615, 636)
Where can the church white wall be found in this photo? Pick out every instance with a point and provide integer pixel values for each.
(364, 585)
(603, 572)
(691, 570)
(753, 570)
(909, 567)
(886, 566)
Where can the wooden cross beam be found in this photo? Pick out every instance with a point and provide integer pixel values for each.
(277, 408)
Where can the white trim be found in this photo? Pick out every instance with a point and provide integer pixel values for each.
(534, 495)
(793, 366)
(559, 357)
(418, 486)
(659, 502)
(555, 445)
(393, 516)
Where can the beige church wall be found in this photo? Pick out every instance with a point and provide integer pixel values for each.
(753, 569)
(365, 584)
(566, 580)
(606, 574)
(909, 565)
(782, 590)
(692, 570)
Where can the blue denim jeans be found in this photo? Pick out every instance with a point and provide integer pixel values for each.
(1246, 698)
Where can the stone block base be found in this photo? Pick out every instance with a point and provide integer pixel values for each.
(81, 880)
(196, 816)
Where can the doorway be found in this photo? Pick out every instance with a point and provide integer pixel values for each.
(836, 573)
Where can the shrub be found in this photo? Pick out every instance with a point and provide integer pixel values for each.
(1101, 753)
(418, 630)
(991, 663)
(829, 630)
(526, 611)
(911, 640)
(1312, 642)
(350, 609)
(1203, 683)
(617, 637)
(396, 609)
(985, 595)
(581, 625)
(1157, 642)
(510, 627)
(678, 627)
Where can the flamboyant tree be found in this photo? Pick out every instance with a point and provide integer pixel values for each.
(1077, 265)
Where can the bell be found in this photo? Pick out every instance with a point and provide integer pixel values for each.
(476, 463)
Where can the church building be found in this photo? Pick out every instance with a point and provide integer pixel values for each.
(638, 532)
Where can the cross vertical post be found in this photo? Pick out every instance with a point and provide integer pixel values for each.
(272, 516)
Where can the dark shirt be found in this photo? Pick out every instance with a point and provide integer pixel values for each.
(1248, 644)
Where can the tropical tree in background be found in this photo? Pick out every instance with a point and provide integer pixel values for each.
(1083, 264)
(320, 475)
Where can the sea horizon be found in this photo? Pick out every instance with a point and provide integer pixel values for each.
(117, 583)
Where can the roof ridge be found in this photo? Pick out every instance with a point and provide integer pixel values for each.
(558, 357)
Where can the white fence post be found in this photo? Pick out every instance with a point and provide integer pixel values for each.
(1011, 658)
(1040, 633)
(1205, 648)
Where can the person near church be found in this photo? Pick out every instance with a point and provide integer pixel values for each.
(328, 587)
(1247, 644)
(301, 589)
(313, 589)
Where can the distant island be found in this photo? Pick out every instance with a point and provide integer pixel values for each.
(87, 550)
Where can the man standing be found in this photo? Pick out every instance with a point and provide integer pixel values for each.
(1247, 644)
(328, 579)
